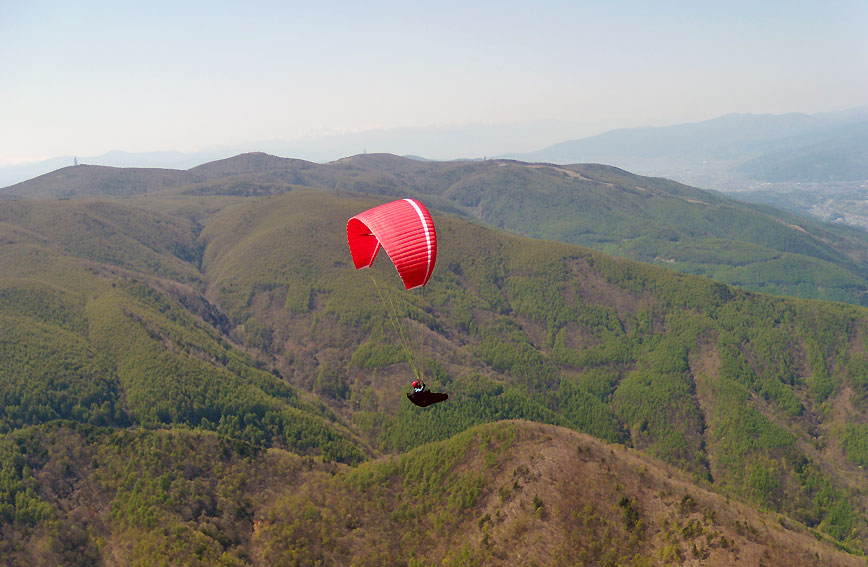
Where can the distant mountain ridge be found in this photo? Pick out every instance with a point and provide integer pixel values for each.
(727, 137)
(675, 151)
(472, 141)
(723, 152)
(839, 155)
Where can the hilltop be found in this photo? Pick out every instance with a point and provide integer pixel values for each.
(98, 180)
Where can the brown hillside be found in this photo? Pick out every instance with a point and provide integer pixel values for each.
(520, 493)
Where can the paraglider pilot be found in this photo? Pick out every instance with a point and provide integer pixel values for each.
(423, 397)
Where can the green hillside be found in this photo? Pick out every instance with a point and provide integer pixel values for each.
(109, 234)
(140, 332)
(102, 343)
(735, 387)
(649, 219)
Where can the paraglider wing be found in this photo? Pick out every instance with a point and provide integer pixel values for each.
(425, 399)
(405, 229)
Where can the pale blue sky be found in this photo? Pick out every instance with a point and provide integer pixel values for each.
(85, 77)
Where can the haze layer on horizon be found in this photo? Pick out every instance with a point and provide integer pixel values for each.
(88, 77)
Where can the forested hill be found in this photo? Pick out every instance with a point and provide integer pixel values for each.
(649, 219)
(234, 328)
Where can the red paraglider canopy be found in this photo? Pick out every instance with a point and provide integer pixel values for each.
(405, 229)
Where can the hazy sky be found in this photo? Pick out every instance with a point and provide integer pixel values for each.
(84, 77)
